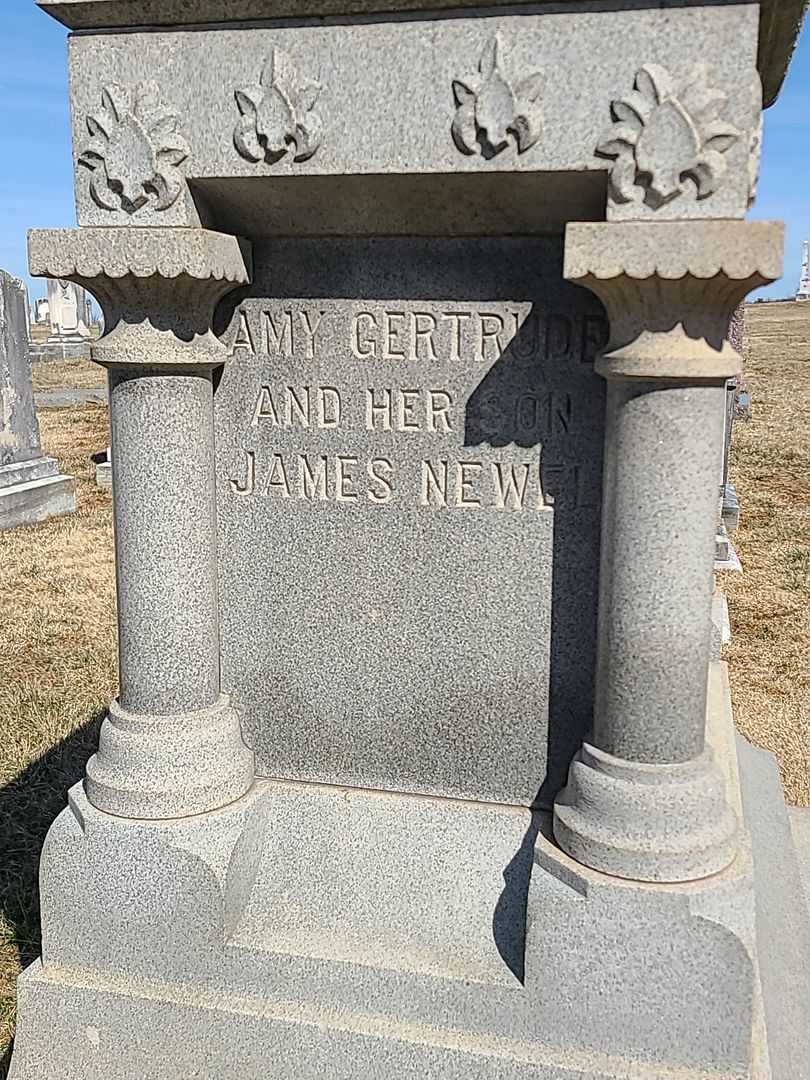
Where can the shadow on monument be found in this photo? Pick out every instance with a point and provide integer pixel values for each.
(541, 394)
(523, 403)
(509, 916)
(28, 806)
(540, 405)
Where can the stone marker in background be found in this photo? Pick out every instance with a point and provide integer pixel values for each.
(68, 314)
(731, 505)
(419, 767)
(68, 309)
(31, 486)
(103, 463)
(41, 310)
(27, 304)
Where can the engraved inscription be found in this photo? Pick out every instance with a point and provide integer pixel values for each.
(472, 485)
(303, 406)
(440, 409)
(449, 336)
(403, 409)
(339, 477)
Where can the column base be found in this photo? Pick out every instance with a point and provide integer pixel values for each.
(347, 934)
(169, 766)
(647, 822)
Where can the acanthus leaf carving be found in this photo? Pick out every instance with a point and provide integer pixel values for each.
(277, 115)
(489, 111)
(665, 134)
(135, 150)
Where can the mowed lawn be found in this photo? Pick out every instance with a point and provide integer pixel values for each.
(57, 637)
(769, 603)
(58, 668)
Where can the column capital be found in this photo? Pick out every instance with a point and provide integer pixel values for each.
(158, 288)
(670, 289)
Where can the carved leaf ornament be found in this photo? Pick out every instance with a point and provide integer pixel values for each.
(489, 111)
(277, 115)
(665, 135)
(135, 151)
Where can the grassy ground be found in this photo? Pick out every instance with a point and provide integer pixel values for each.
(57, 637)
(770, 602)
(68, 375)
(57, 670)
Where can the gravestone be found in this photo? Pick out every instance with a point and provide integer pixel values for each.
(103, 463)
(731, 505)
(27, 305)
(70, 331)
(415, 325)
(68, 312)
(726, 557)
(31, 486)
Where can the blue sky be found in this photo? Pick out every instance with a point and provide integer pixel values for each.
(36, 180)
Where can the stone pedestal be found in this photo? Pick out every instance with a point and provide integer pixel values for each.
(32, 488)
(389, 566)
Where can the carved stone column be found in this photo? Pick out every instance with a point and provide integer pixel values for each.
(171, 744)
(645, 799)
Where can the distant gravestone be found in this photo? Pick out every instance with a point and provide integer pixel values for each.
(68, 306)
(70, 334)
(103, 463)
(31, 486)
(726, 557)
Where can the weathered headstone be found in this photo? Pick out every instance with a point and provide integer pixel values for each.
(416, 335)
(31, 486)
(27, 305)
(103, 463)
(68, 312)
(41, 310)
(728, 518)
(70, 332)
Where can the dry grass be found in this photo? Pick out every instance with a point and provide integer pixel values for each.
(770, 602)
(57, 671)
(68, 375)
(57, 639)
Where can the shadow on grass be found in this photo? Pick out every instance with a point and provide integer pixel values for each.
(28, 806)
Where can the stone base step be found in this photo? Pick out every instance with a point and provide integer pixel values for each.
(36, 500)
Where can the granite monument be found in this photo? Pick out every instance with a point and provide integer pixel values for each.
(415, 325)
(31, 486)
(41, 311)
(67, 313)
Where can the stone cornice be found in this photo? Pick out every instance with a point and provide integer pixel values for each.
(779, 24)
(141, 253)
(670, 289)
(158, 288)
(780, 20)
(738, 250)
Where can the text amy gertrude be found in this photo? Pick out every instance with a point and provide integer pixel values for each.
(379, 340)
